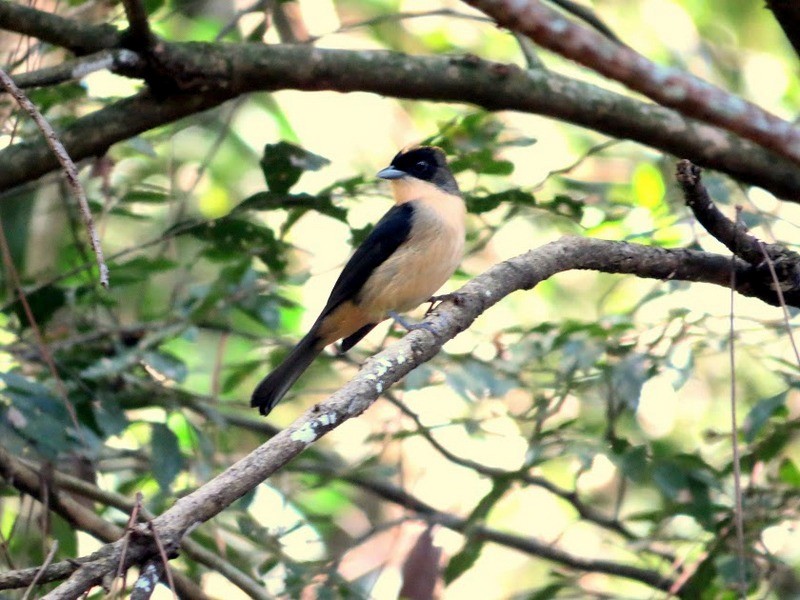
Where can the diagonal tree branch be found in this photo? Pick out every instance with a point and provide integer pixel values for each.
(216, 73)
(671, 87)
(392, 364)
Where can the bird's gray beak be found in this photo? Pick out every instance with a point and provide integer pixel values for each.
(391, 173)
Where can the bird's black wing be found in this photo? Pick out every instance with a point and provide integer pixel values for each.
(387, 236)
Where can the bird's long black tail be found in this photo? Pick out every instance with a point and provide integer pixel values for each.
(275, 385)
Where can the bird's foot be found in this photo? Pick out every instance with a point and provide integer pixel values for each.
(454, 297)
(409, 326)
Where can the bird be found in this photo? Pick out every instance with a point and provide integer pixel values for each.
(409, 254)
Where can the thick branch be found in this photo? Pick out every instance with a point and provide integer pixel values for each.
(391, 365)
(216, 73)
(671, 87)
(81, 38)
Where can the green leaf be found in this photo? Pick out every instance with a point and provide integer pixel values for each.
(146, 196)
(487, 202)
(761, 413)
(547, 592)
(166, 459)
(789, 473)
(283, 164)
(37, 416)
(566, 206)
(633, 463)
(670, 479)
(239, 373)
(109, 416)
(322, 203)
(231, 237)
(729, 567)
(43, 303)
(66, 535)
(648, 185)
(139, 269)
(47, 97)
(483, 162)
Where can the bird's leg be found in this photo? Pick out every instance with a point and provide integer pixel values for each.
(408, 325)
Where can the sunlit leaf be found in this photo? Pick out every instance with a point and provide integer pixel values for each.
(761, 413)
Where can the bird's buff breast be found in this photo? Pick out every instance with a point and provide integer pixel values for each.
(421, 266)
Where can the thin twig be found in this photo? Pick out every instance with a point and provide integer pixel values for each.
(47, 356)
(164, 558)
(737, 467)
(777, 284)
(588, 15)
(70, 170)
(528, 49)
(48, 559)
(132, 520)
(585, 511)
(403, 16)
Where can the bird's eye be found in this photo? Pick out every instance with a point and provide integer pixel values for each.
(421, 167)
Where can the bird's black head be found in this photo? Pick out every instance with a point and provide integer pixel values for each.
(426, 163)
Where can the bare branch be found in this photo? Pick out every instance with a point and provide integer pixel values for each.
(48, 559)
(671, 87)
(220, 72)
(70, 170)
(589, 16)
(738, 511)
(392, 364)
